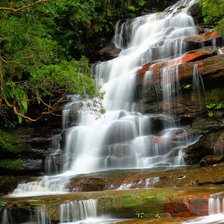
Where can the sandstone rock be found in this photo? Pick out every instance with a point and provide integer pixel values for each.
(86, 184)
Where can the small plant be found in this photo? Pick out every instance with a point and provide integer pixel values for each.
(140, 215)
(222, 123)
(212, 107)
(157, 215)
(187, 86)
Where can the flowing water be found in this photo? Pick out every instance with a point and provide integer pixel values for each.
(124, 137)
(215, 212)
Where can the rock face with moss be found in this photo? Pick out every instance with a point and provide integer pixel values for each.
(22, 155)
(152, 204)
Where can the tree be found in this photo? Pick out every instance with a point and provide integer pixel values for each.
(213, 12)
(32, 69)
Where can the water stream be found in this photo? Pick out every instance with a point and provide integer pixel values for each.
(124, 137)
(215, 212)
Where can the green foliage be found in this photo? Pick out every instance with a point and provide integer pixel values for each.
(187, 86)
(139, 214)
(10, 163)
(215, 101)
(38, 45)
(43, 46)
(157, 215)
(212, 107)
(213, 12)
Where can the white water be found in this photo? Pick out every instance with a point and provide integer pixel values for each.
(198, 85)
(125, 138)
(215, 212)
(78, 210)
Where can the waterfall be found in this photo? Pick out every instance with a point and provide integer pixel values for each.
(78, 210)
(119, 140)
(215, 211)
(38, 216)
(125, 137)
(198, 85)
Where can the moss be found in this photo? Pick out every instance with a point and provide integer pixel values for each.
(130, 202)
(215, 96)
(10, 142)
(7, 141)
(10, 163)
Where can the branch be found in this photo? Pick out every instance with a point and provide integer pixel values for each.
(51, 111)
(24, 7)
(9, 83)
(1, 58)
(8, 11)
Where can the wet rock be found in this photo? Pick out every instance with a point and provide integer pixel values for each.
(211, 159)
(109, 53)
(194, 10)
(153, 203)
(211, 131)
(9, 183)
(203, 37)
(30, 164)
(188, 206)
(86, 184)
(23, 150)
(219, 144)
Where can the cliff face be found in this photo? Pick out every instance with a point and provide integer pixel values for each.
(196, 93)
(194, 98)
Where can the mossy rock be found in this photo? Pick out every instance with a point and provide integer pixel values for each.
(10, 143)
(150, 204)
(10, 164)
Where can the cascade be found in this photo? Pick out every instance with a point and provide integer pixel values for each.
(78, 210)
(198, 84)
(215, 211)
(37, 217)
(125, 137)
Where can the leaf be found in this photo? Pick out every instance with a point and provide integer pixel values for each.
(210, 113)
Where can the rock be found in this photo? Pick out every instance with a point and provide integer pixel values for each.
(9, 183)
(219, 144)
(86, 184)
(178, 207)
(153, 203)
(211, 159)
(109, 52)
(23, 150)
(194, 10)
(30, 165)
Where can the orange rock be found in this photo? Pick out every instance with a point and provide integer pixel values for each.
(202, 37)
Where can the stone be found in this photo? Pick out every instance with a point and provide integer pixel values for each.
(211, 159)
(86, 184)
(219, 144)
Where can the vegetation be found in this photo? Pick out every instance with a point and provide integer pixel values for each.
(215, 101)
(213, 10)
(10, 164)
(44, 46)
(35, 68)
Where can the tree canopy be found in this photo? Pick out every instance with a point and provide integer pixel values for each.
(45, 46)
(35, 66)
(213, 12)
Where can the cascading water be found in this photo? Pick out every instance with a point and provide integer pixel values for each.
(120, 140)
(124, 137)
(198, 85)
(215, 212)
(78, 210)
